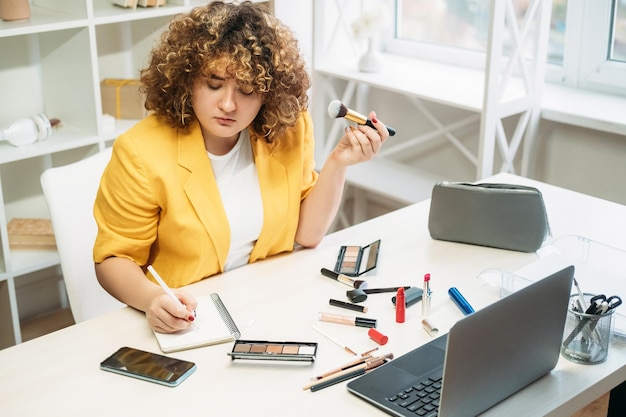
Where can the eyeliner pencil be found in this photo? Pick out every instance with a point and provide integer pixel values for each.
(382, 290)
(349, 306)
(338, 378)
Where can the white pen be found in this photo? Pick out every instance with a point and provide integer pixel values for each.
(167, 289)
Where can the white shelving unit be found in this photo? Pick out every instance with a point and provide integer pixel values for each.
(508, 88)
(53, 64)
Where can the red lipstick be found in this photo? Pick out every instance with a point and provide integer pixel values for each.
(400, 306)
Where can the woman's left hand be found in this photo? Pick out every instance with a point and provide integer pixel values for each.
(360, 143)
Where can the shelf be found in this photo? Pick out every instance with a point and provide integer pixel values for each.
(440, 83)
(122, 47)
(54, 64)
(62, 139)
(410, 185)
(105, 12)
(576, 107)
(45, 19)
(26, 261)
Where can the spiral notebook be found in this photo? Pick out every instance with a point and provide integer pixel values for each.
(213, 325)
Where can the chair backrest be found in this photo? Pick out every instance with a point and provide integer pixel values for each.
(70, 191)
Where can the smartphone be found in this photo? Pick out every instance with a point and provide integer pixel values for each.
(148, 366)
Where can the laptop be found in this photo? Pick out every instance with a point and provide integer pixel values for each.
(484, 358)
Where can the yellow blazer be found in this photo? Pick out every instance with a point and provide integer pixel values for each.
(158, 201)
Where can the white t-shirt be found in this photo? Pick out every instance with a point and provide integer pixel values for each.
(239, 187)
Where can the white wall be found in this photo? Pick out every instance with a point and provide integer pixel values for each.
(297, 15)
(584, 160)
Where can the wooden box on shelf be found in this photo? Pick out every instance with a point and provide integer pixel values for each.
(31, 234)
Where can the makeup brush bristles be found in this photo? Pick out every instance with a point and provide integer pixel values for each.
(337, 109)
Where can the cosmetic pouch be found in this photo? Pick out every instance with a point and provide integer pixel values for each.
(505, 216)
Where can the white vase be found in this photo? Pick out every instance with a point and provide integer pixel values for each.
(371, 60)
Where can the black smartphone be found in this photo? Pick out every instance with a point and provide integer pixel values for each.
(148, 366)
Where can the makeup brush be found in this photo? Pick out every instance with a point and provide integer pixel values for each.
(337, 109)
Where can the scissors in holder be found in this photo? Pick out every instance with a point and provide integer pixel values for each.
(601, 304)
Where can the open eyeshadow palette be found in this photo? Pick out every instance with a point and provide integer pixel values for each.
(279, 351)
(357, 260)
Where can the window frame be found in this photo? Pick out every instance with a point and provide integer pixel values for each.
(596, 70)
(586, 63)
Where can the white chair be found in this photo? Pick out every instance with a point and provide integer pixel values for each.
(70, 191)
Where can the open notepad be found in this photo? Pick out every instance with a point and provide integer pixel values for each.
(213, 325)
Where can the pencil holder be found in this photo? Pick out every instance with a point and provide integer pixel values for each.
(586, 337)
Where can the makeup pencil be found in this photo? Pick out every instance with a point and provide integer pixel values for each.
(345, 375)
(382, 290)
(349, 306)
(348, 365)
(346, 348)
(364, 358)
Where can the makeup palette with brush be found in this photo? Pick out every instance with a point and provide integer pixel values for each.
(354, 261)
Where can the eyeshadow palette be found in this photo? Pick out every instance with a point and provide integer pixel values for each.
(278, 351)
(357, 260)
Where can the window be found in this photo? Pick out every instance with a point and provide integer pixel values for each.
(586, 48)
(618, 33)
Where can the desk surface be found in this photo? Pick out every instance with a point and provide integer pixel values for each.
(279, 299)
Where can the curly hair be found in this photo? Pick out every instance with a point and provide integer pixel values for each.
(262, 56)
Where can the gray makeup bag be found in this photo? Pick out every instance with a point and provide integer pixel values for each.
(505, 216)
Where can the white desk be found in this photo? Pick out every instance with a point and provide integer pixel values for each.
(58, 374)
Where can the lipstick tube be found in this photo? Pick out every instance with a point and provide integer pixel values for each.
(426, 296)
(400, 306)
(377, 336)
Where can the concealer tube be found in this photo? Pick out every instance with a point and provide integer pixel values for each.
(347, 320)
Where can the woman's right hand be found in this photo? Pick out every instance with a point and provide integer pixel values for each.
(167, 316)
(126, 281)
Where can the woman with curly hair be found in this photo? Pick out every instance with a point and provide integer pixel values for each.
(221, 172)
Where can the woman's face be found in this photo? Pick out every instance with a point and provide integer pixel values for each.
(223, 109)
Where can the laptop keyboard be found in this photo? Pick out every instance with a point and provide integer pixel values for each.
(420, 398)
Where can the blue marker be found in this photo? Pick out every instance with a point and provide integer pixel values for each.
(460, 301)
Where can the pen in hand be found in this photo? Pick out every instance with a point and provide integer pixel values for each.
(168, 291)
